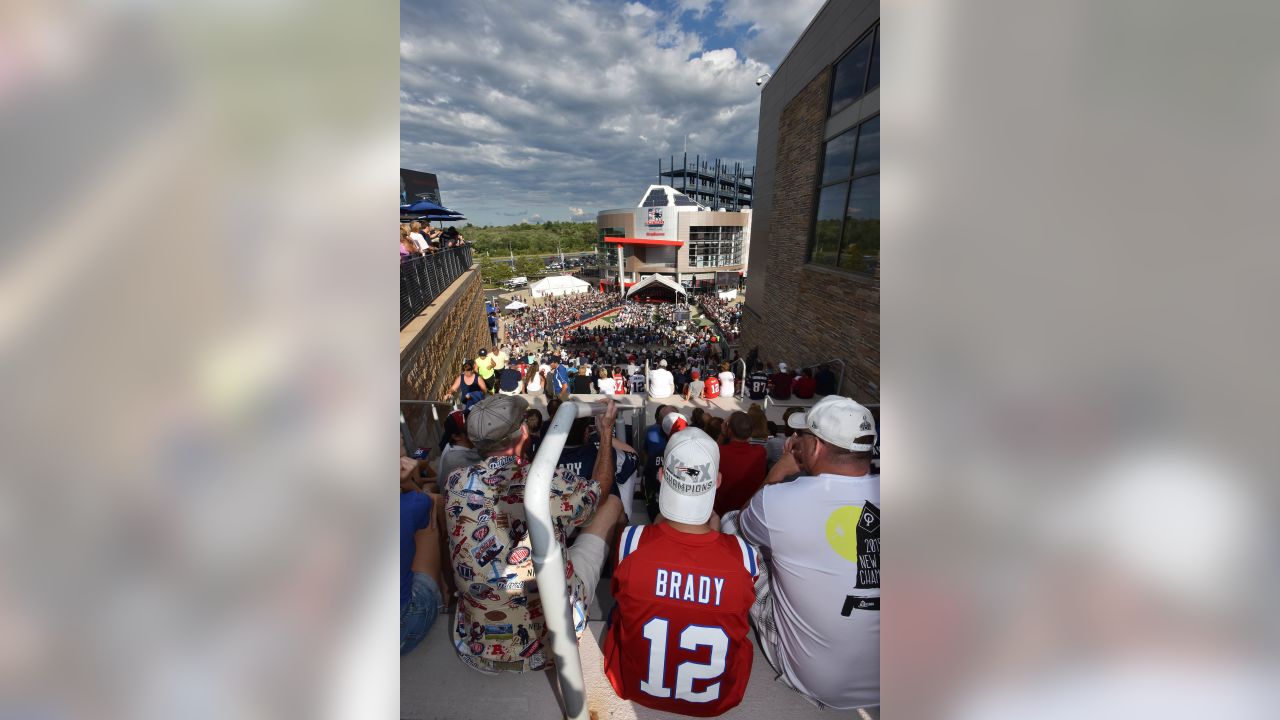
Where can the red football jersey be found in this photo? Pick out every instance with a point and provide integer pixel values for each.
(711, 389)
(677, 637)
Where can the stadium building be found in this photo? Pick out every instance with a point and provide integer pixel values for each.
(670, 235)
(814, 291)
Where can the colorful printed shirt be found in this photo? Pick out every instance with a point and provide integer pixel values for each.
(500, 625)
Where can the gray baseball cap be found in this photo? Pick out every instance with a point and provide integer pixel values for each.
(494, 419)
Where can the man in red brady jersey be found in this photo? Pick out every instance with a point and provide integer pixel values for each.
(677, 637)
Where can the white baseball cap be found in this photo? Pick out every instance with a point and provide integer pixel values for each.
(690, 466)
(839, 421)
(662, 362)
(782, 367)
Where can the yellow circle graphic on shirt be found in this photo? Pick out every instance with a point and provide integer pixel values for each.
(842, 531)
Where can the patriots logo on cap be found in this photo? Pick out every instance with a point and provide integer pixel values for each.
(692, 472)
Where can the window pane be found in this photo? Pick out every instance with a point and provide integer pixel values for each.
(839, 157)
(868, 147)
(826, 232)
(873, 75)
(862, 226)
(851, 76)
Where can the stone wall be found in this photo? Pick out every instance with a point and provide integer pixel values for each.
(808, 314)
(434, 345)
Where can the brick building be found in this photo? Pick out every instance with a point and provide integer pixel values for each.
(813, 293)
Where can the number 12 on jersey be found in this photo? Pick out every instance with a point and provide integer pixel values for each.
(693, 637)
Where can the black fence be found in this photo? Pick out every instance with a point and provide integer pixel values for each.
(422, 279)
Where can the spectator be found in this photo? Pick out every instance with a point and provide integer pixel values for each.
(470, 385)
(421, 583)
(695, 386)
(699, 419)
(407, 247)
(714, 427)
(484, 365)
(780, 383)
(711, 387)
(742, 466)
(681, 379)
(826, 380)
(821, 534)
(500, 624)
(533, 419)
(776, 445)
(579, 453)
(655, 441)
(533, 379)
(559, 377)
(661, 383)
(582, 384)
(727, 384)
(804, 385)
(758, 383)
(677, 578)
(415, 234)
(759, 424)
(605, 384)
(456, 450)
(637, 383)
(619, 381)
(509, 381)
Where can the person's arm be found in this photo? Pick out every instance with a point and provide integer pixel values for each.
(785, 467)
(602, 473)
(456, 383)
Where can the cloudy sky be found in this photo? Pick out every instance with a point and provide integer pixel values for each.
(556, 109)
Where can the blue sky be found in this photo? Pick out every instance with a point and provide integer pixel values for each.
(534, 110)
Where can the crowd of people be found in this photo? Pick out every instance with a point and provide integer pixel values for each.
(417, 240)
(756, 527)
(726, 315)
(771, 527)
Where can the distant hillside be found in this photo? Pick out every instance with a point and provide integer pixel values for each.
(531, 239)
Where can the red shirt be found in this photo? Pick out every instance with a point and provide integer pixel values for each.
(804, 387)
(742, 467)
(677, 636)
(781, 385)
(711, 389)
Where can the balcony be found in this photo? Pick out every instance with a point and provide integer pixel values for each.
(422, 279)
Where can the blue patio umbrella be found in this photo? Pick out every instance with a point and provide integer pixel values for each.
(428, 208)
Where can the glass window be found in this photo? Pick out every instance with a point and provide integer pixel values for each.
(839, 157)
(873, 75)
(826, 234)
(861, 244)
(851, 75)
(868, 147)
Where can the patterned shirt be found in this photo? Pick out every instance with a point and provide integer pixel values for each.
(500, 625)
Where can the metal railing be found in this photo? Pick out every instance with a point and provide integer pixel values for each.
(422, 279)
(428, 417)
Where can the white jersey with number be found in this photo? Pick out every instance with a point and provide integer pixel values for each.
(823, 533)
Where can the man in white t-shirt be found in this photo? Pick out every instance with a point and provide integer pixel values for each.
(661, 383)
(818, 613)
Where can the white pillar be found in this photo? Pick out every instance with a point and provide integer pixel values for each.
(621, 289)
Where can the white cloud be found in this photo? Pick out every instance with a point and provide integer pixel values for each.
(569, 104)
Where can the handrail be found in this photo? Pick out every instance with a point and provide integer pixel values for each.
(741, 389)
(548, 558)
(435, 416)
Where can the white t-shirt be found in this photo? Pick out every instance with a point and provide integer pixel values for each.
(420, 241)
(661, 383)
(535, 383)
(824, 536)
(606, 386)
(726, 384)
